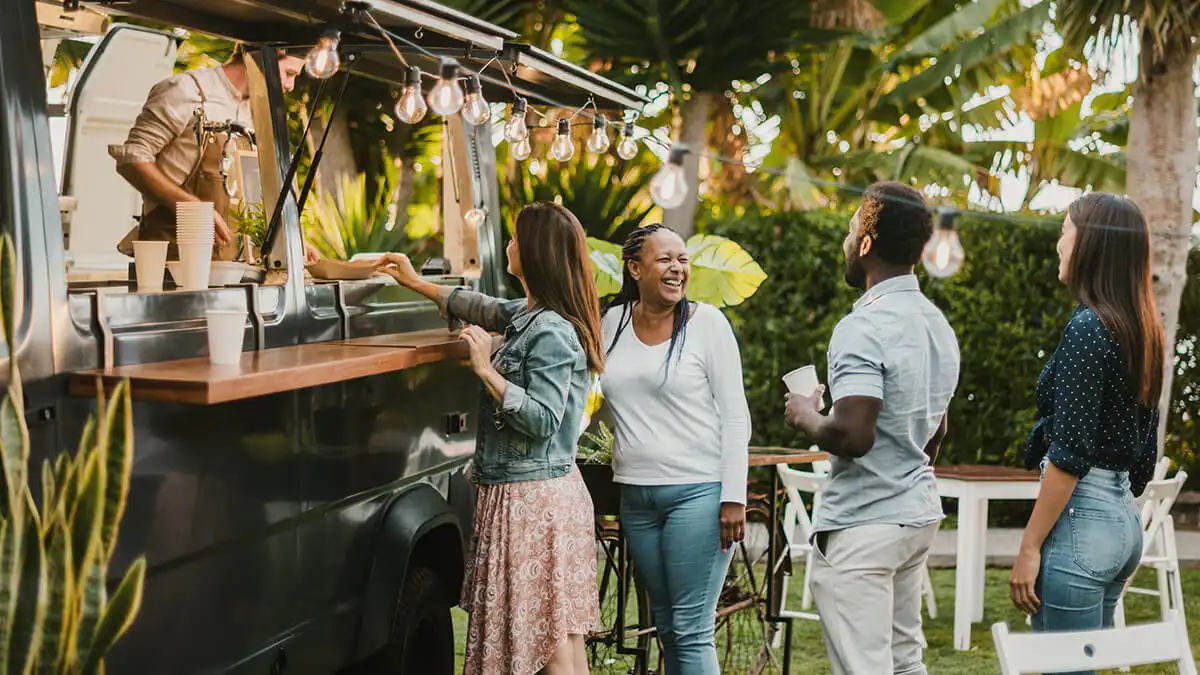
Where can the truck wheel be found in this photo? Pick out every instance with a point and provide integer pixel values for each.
(422, 637)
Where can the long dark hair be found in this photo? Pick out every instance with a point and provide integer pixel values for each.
(1109, 271)
(554, 261)
(632, 251)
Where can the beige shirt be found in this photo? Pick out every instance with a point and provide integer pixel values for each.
(164, 131)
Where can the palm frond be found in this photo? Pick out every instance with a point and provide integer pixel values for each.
(1167, 28)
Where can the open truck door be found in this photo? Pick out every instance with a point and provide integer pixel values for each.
(106, 98)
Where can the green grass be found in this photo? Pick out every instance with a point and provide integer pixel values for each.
(808, 647)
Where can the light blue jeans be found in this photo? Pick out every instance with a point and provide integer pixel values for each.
(674, 537)
(1092, 549)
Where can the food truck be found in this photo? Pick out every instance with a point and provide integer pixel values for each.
(306, 510)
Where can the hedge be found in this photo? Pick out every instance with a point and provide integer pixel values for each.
(1007, 308)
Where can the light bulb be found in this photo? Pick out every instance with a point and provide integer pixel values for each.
(669, 186)
(522, 150)
(627, 148)
(411, 107)
(446, 97)
(563, 149)
(476, 110)
(515, 129)
(943, 256)
(597, 142)
(323, 61)
(475, 217)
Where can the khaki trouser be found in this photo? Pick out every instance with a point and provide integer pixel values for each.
(866, 581)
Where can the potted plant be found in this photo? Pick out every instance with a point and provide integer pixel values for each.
(595, 465)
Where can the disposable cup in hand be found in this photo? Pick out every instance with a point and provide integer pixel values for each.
(150, 259)
(195, 262)
(226, 329)
(803, 381)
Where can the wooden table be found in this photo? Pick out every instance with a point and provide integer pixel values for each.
(772, 457)
(272, 371)
(974, 486)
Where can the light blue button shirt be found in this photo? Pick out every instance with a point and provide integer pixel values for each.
(895, 346)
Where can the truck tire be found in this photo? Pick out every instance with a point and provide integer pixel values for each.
(422, 635)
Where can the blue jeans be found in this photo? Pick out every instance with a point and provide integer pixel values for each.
(674, 537)
(1090, 553)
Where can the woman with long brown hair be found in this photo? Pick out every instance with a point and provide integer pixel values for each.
(531, 576)
(1096, 436)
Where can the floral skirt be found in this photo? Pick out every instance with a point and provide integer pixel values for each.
(531, 575)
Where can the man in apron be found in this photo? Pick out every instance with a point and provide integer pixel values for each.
(168, 159)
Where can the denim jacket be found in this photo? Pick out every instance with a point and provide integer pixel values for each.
(532, 433)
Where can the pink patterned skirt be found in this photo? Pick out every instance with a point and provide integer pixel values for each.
(531, 574)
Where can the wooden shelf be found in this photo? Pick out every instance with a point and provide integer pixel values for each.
(272, 371)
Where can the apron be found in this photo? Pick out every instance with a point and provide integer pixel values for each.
(205, 181)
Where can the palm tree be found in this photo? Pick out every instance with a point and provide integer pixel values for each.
(889, 104)
(1161, 155)
(698, 47)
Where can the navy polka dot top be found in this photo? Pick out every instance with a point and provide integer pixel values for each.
(1089, 415)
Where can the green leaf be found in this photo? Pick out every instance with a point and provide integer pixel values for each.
(14, 457)
(971, 18)
(8, 584)
(606, 266)
(1019, 29)
(899, 11)
(723, 273)
(118, 615)
(26, 634)
(60, 585)
(87, 516)
(92, 599)
(117, 454)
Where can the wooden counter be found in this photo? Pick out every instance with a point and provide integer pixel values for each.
(772, 456)
(272, 371)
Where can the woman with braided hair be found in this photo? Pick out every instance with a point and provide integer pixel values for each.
(673, 382)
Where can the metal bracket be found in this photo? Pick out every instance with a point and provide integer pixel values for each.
(339, 306)
(105, 344)
(256, 319)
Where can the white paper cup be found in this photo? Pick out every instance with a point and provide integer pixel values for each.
(803, 381)
(150, 260)
(194, 266)
(226, 330)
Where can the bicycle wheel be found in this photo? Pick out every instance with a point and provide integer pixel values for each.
(625, 647)
(744, 637)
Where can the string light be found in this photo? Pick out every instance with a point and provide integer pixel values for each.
(522, 149)
(515, 130)
(323, 60)
(627, 148)
(411, 108)
(563, 149)
(446, 97)
(943, 255)
(475, 217)
(597, 142)
(669, 186)
(476, 110)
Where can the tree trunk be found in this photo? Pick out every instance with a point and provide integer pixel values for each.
(693, 133)
(1160, 178)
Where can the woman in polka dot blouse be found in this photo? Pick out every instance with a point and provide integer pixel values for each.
(1096, 436)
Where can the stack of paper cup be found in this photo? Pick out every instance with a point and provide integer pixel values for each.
(194, 233)
(226, 329)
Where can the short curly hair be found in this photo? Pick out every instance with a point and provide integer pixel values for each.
(897, 218)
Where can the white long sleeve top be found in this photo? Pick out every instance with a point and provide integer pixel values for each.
(692, 427)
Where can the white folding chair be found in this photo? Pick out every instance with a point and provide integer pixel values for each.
(797, 528)
(1158, 547)
(1163, 642)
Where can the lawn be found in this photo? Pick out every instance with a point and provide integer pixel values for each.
(808, 648)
